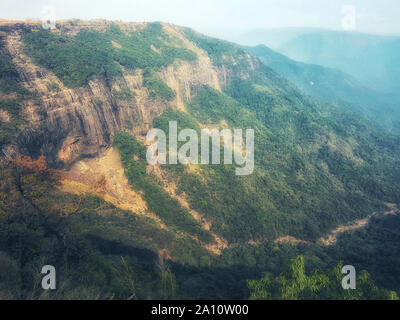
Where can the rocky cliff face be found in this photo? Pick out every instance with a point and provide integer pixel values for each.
(74, 127)
(83, 121)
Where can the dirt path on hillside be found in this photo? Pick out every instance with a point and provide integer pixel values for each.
(332, 238)
(219, 242)
(104, 177)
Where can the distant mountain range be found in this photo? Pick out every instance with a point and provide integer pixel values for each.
(374, 60)
(335, 86)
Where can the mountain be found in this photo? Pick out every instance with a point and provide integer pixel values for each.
(334, 86)
(371, 59)
(77, 192)
(274, 38)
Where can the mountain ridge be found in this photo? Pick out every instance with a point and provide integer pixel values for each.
(91, 95)
(334, 86)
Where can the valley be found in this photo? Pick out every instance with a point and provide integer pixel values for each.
(76, 189)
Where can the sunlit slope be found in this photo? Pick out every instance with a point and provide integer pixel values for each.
(95, 89)
(336, 87)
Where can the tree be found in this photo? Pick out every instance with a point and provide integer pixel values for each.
(295, 284)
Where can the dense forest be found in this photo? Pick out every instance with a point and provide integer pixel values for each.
(317, 167)
(336, 87)
(295, 284)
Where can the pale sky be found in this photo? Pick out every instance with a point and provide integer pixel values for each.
(372, 16)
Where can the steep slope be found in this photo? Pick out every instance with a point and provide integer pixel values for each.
(327, 84)
(92, 89)
(334, 86)
(83, 119)
(371, 59)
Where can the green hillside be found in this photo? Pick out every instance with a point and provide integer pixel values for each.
(334, 86)
(317, 167)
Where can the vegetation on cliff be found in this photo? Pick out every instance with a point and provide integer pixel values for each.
(316, 167)
(158, 200)
(11, 96)
(76, 59)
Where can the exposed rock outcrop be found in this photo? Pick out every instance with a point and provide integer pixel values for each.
(74, 127)
(84, 120)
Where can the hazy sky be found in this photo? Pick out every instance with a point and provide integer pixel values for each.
(375, 16)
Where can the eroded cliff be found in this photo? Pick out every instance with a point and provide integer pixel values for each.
(84, 120)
